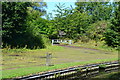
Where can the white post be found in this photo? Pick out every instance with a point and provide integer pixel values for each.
(65, 41)
(52, 41)
(61, 41)
(70, 41)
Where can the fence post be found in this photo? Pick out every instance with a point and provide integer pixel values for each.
(52, 42)
(61, 41)
(70, 41)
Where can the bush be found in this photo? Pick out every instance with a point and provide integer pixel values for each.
(112, 38)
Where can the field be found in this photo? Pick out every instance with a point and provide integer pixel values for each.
(20, 62)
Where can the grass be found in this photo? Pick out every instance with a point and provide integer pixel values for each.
(20, 62)
(91, 44)
(102, 66)
(108, 76)
(34, 70)
(25, 57)
(37, 57)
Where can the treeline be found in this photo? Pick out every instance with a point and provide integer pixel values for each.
(89, 21)
(23, 26)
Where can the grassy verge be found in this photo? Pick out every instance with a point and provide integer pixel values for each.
(92, 44)
(34, 70)
(23, 50)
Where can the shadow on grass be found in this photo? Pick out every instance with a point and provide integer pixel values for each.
(114, 76)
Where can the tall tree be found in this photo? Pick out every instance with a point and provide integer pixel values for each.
(70, 21)
(98, 10)
(13, 20)
(112, 35)
(15, 24)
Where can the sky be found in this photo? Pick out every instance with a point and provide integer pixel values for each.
(51, 5)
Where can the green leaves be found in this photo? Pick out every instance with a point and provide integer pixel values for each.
(98, 10)
(112, 35)
(21, 22)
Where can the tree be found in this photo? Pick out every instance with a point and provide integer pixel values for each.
(13, 21)
(112, 35)
(96, 30)
(98, 10)
(70, 21)
(16, 25)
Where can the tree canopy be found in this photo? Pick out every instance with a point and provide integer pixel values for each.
(23, 25)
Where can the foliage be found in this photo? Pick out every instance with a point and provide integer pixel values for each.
(70, 21)
(23, 25)
(19, 29)
(96, 30)
(82, 22)
(98, 10)
(112, 35)
(102, 65)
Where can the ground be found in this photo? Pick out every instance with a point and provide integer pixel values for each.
(65, 55)
(62, 57)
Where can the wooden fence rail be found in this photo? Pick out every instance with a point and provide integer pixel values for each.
(54, 41)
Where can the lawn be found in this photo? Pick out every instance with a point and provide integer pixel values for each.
(21, 62)
(92, 44)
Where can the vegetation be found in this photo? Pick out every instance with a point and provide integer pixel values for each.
(35, 70)
(112, 35)
(19, 27)
(102, 66)
(92, 45)
(24, 27)
(26, 36)
(108, 76)
(33, 61)
(16, 58)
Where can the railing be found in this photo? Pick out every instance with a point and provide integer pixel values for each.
(66, 73)
(61, 41)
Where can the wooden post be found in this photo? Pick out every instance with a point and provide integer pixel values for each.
(48, 59)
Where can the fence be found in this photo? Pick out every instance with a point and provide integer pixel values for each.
(54, 41)
(74, 73)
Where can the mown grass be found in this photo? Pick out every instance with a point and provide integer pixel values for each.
(35, 70)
